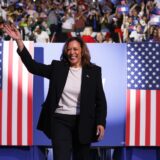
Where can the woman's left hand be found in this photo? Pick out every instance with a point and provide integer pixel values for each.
(100, 132)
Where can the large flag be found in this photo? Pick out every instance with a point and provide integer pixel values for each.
(15, 97)
(143, 94)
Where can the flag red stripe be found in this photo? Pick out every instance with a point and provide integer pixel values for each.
(9, 104)
(19, 105)
(0, 117)
(137, 119)
(158, 118)
(148, 117)
(128, 118)
(30, 119)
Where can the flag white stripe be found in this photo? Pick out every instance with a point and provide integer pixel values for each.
(14, 95)
(132, 116)
(4, 94)
(142, 116)
(25, 75)
(153, 119)
(24, 107)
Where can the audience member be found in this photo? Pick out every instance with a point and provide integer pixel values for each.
(137, 35)
(80, 20)
(99, 37)
(87, 35)
(40, 35)
(68, 22)
(116, 17)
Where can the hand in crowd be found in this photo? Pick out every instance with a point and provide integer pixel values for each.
(1, 25)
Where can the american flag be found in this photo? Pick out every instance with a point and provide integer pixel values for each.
(154, 20)
(15, 96)
(143, 94)
(123, 9)
(156, 11)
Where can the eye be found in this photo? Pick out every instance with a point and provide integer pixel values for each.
(68, 49)
(75, 49)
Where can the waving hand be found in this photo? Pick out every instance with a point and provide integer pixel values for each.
(12, 31)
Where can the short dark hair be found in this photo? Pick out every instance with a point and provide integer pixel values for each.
(85, 51)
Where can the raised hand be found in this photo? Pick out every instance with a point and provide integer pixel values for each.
(12, 31)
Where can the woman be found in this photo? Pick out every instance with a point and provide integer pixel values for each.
(99, 37)
(74, 112)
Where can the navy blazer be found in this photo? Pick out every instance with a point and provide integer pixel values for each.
(93, 106)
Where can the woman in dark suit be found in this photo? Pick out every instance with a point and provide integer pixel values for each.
(74, 112)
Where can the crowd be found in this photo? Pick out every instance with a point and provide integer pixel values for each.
(94, 20)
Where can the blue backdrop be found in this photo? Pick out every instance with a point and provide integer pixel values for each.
(112, 59)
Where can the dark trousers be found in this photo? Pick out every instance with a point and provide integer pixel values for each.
(65, 139)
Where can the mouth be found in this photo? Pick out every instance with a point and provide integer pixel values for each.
(72, 57)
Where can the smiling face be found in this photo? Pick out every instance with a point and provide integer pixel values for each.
(74, 53)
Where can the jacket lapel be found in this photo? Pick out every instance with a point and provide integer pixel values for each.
(62, 79)
(85, 78)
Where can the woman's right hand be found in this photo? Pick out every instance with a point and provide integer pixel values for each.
(12, 31)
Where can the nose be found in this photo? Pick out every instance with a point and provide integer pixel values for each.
(71, 50)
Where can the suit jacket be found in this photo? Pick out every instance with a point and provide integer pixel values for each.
(93, 106)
